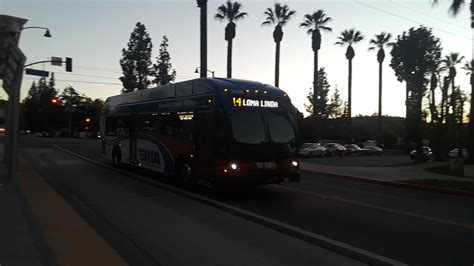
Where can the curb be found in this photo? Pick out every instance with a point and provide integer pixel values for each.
(455, 192)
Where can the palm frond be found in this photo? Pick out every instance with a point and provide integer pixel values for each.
(230, 11)
(241, 16)
(456, 6)
(219, 17)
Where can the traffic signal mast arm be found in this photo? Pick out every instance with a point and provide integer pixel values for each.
(68, 62)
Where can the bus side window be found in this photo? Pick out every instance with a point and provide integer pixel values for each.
(116, 125)
(110, 125)
(146, 122)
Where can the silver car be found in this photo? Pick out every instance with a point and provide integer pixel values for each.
(312, 149)
(454, 153)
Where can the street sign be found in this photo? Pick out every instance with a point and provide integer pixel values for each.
(56, 61)
(36, 72)
(16, 60)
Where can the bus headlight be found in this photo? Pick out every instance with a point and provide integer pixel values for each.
(294, 163)
(233, 166)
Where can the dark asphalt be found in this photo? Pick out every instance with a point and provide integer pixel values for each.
(420, 228)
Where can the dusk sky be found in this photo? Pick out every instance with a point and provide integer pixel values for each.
(93, 33)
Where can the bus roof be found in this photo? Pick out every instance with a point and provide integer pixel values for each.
(193, 87)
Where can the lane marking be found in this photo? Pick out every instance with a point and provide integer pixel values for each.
(313, 238)
(377, 207)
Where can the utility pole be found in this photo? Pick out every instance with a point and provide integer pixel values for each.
(202, 4)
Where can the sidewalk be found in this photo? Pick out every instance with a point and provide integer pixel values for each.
(17, 245)
(396, 173)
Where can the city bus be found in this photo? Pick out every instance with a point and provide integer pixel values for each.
(207, 131)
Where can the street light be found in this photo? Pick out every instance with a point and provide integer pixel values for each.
(210, 71)
(46, 34)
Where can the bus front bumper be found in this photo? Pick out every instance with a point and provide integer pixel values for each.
(257, 177)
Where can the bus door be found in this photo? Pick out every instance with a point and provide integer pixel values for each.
(203, 143)
(133, 138)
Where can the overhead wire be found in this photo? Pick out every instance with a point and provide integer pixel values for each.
(411, 20)
(428, 15)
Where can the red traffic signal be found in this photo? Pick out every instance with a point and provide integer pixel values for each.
(88, 120)
(54, 101)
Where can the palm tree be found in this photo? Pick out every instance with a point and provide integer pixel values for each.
(380, 41)
(456, 7)
(230, 11)
(279, 15)
(450, 61)
(469, 67)
(314, 23)
(350, 37)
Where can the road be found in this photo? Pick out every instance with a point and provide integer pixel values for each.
(420, 228)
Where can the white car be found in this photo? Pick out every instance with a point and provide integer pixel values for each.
(312, 149)
(454, 153)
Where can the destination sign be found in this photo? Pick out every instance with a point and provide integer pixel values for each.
(244, 102)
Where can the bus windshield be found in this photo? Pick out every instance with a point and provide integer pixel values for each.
(262, 133)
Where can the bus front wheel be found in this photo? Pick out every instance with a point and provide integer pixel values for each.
(116, 158)
(185, 175)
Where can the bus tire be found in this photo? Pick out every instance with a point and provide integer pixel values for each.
(116, 157)
(185, 175)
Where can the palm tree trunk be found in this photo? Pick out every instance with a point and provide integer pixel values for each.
(453, 102)
(229, 58)
(203, 6)
(277, 65)
(379, 120)
(349, 99)
(471, 122)
(315, 81)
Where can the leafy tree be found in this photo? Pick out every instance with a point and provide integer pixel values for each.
(318, 106)
(38, 107)
(350, 37)
(230, 11)
(136, 60)
(336, 105)
(380, 41)
(415, 55)
(71, 97)
(163, 71)
(279, 15)
(314, 23)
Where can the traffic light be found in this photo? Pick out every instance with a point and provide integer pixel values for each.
(54, 101)
(68, 64)
(87, 120)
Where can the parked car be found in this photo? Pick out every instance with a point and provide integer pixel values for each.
(372, 150)
(312, 149)
(454, 153)
(427, 154)
(353, 149)
(368, 143)
(336, 148)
